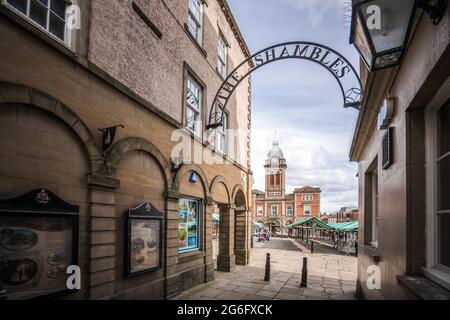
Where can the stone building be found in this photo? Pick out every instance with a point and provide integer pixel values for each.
(401, 144)
(153, 67)
(274, 207)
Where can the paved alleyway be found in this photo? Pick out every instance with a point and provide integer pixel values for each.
(330, 276)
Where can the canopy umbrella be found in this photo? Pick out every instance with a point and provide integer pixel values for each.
(350, 226)
(310, 221)
(258, 224)
(273, 223)
(299, 223)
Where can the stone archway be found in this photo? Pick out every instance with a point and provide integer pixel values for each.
(221, 197)
(191, 168)
(39, 125)
(119, 150)
(242, 227)
(144, 175)
(21, 94)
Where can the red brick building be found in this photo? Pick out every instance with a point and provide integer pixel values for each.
(274, 207)
(347, 214)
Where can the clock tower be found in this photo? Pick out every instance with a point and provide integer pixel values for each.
(275, 172)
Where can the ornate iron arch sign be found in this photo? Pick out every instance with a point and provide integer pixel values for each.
(342, 70)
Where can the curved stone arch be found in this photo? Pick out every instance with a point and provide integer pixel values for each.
(185, 168)
(21, 94)
(236, 190)
(222, 180)
(119, 150)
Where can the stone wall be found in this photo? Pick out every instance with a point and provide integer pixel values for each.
(52, 105)
(401, 244)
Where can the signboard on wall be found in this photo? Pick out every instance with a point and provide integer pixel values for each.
(388, 149)
(188, 226)
(38, 241)
(144, 239)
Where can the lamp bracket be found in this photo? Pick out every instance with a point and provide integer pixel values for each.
(434, 8)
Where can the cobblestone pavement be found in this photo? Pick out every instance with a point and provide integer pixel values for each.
(331, 276)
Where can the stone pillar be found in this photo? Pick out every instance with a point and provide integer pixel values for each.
(242, 237)
(209, 262)
(102, 237)
(226, 258)
(173, 278)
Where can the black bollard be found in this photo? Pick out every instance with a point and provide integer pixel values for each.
(267, 273)
(304, 282)
(312, 247)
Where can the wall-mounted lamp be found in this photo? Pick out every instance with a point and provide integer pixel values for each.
(177, 162)
(193, 177)
(108, 135)
(380, 28)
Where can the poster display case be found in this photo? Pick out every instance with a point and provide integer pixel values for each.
(189, 224)
(144, 230)
(38, 241)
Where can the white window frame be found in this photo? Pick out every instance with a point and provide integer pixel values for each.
(310, 209)
(307, 198)
(198, 21)
(272, 210)
(289, 210)
(190, 106)
(68, 34)
(222, 133)
(433, 270)
(259, 211)
(222, 62)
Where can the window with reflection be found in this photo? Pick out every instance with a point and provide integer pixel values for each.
(50, 15)
(443, 186)
(222, 138)
(223, 57)
(193, 106)
(195, 19)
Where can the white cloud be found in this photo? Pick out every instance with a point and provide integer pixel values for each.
(314, 158)
(317, 9)
(301, 98)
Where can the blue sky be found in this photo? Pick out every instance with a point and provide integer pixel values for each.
(301, 99)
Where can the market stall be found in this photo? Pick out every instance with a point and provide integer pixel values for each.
(342, 236)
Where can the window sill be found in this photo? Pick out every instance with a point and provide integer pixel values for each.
(190, 256)
(440, 277)
(193, 135)
(372, 252)
(221, 154)
(197, 45)
(422, 288)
